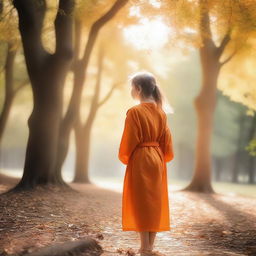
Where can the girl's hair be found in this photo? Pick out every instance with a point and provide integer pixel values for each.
(149, 87)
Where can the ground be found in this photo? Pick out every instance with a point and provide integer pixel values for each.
(201, 224)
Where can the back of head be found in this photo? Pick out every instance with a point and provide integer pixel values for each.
(147, 82)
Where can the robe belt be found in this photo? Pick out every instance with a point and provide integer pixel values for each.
(148, 144)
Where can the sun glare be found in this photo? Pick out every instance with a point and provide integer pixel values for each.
(150, 34)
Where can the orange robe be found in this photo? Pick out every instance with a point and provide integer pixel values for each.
(146, 146)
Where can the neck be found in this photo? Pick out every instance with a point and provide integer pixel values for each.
(147, 100)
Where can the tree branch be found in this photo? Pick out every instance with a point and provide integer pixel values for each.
(1, 7)
(63, 29)
(78, 29)
(204, 23)
(97, 26)
(224, 43)
(9, 12)
(20, 86)
(231, 56)
(107, 96)
(93, 106)
(31, 16)
(9, 63)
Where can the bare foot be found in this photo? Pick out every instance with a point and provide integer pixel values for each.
(156, 253)
(144, 252)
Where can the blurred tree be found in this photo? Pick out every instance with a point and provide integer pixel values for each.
(238, 80)
(252, 147)
(112, 65)
(205, 102)
(10, 42)
(251, 163)
(47, 74)
(83, 130)
(202, 23)
(230, 136)
(80, 66)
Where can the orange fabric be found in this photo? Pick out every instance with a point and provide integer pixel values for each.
(145, 147)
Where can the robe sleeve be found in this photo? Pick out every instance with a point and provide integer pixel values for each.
(130, 137)
(166, 144)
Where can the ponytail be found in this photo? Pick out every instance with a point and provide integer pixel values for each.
(157, 96)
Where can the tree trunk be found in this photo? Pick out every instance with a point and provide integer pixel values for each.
(82, 155)
(205, 104)
(218, 168)
(9, 91)
(251, 170)
(251, 163)
(238, 158)
(47, 73)
(83, 131)
(80, 68)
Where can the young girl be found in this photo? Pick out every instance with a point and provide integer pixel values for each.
(146, 146)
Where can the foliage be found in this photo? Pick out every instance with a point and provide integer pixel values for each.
(252, 147)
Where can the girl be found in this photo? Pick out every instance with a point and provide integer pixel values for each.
(146, 146)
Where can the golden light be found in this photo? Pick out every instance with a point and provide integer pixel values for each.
(149, 34)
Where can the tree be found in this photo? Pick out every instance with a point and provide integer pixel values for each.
(83, 131)
(9, 38)
(109, 58)
(251, 165)
(205, 102)
(47, 74)
(80, 66)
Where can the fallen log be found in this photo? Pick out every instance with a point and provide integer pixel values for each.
(86, 246)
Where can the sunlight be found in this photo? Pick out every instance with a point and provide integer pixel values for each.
(150, 34)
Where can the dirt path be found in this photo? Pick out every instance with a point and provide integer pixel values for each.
(200, 224)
